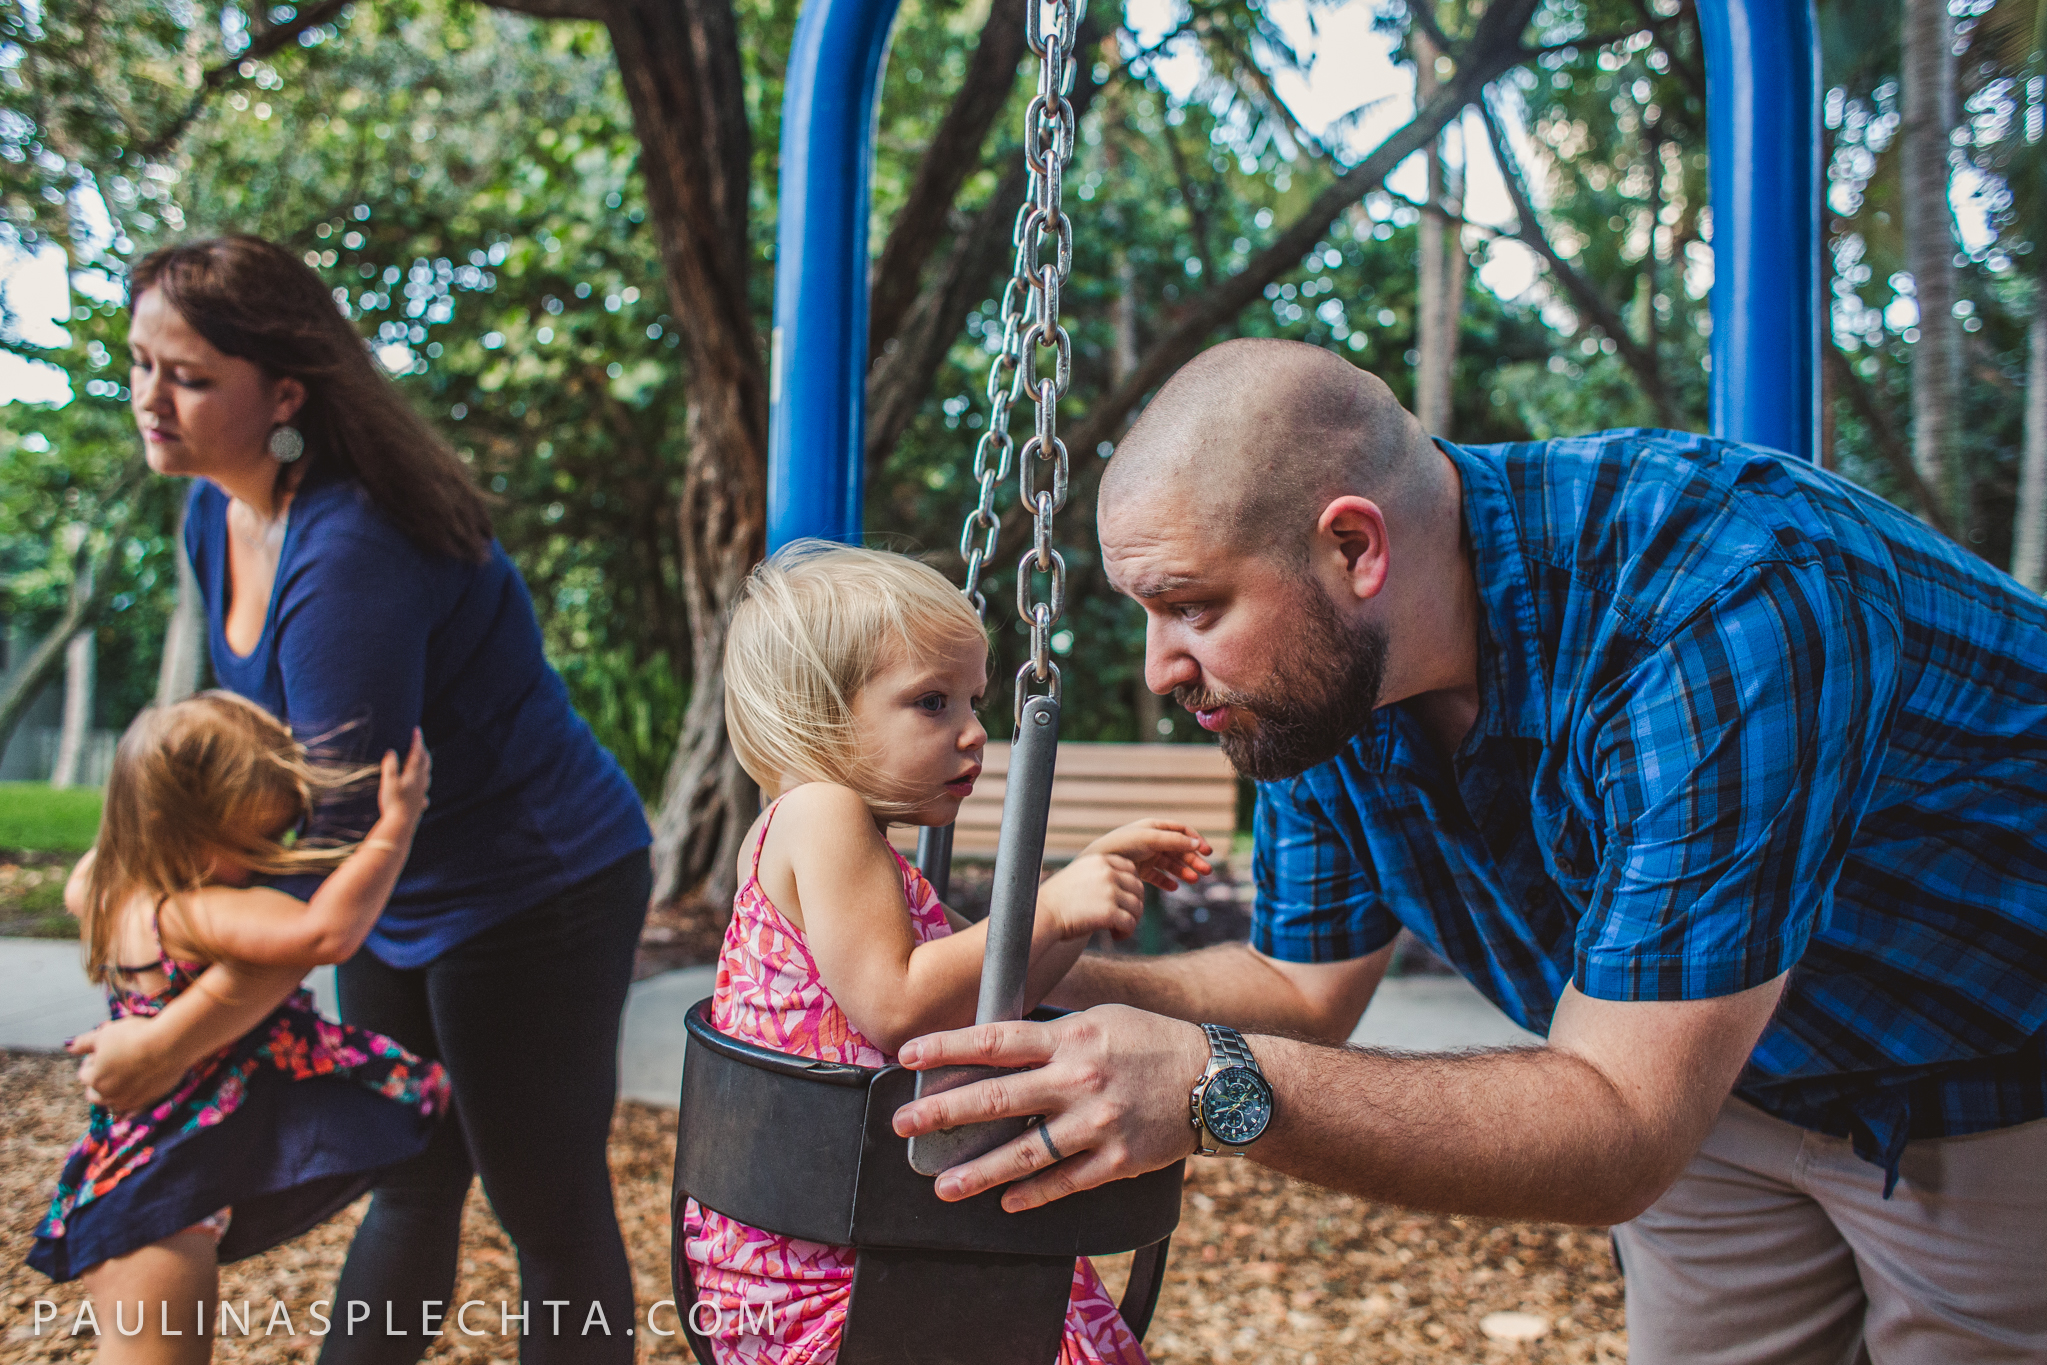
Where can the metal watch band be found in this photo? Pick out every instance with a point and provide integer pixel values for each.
(1228, 1046)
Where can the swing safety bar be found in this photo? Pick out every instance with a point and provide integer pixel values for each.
(1762, 103)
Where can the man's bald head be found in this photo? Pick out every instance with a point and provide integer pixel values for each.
(1251, 439)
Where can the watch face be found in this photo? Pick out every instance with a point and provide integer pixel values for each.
(1236, 1106)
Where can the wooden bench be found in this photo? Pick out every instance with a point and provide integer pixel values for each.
(1097, 787)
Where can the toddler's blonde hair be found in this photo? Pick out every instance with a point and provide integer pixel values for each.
(811, 626)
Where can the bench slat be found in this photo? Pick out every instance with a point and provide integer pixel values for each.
(1081, 759)
(1098, 787)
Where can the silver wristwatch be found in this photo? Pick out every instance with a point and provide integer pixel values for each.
(1232, 1103)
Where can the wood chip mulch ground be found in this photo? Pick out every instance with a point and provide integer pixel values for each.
(1263, 1269)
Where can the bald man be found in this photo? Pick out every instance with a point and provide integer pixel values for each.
(1722, 774)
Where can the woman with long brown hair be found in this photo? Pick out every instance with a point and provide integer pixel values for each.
(353, 589)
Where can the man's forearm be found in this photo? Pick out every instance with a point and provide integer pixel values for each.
(1590, 1129)
(1528, 1133)
(1224, 984)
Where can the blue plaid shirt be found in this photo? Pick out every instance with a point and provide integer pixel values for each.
(1737, 717)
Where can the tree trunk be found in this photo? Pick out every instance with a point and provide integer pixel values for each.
(1928, 97)
(899, 378)
(2029, 530)
(89, 593)
(1588, 298)
(184, 638)
(1442, 265)
(679, 63)
(76, 727)
(953, 154)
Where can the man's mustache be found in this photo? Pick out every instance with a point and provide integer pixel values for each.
(1194, 699)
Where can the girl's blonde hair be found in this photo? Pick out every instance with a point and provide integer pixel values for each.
(811, 626)
(214, 773)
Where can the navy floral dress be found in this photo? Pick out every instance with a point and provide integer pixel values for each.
(284, 1127)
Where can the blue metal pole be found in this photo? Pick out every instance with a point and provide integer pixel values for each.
(818, 360)
(1763, 132)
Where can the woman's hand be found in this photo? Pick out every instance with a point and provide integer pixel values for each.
(1103, 889)
(120, 1067)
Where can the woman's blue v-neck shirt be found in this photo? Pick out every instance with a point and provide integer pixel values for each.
(368, 636)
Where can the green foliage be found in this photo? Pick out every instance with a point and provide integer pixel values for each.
(467, 182)
(55, 468)
(34, 816)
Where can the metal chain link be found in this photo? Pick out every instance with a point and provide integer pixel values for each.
(1030, 320)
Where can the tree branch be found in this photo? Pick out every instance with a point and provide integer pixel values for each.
(900, 378)
(592, 10)
(954, 154)
(1885, 438)
(270, 40)
(1583, 293)
(1197, 217)
(1591, 42)
(1693, 73)
(1494, 49)
(1423, 16)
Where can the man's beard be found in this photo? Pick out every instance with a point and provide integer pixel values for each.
(1325, 684)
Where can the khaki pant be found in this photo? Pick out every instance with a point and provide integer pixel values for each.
(1777, 1247)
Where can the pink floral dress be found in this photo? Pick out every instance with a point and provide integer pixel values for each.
(285, 1126)
(769, 992)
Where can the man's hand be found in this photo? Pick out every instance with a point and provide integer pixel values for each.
(119, 1069)
(1113, 1085)
(1590, 1129)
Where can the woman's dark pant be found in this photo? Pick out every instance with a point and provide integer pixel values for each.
(525, 1017)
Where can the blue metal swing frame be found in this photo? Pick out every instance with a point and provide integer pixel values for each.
(1762, 111)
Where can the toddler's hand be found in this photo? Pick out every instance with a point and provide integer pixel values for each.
(1162, 852)
(1104, 887)
(118, 1068)
(1095, 891)
(401, 791)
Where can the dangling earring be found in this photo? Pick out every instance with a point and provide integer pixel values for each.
(286, 444)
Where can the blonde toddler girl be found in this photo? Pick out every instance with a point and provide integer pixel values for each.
(852, 678)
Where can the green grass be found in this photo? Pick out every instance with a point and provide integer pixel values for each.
(34, 816)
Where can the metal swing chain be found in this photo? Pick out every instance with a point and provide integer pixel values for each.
(1030, 319)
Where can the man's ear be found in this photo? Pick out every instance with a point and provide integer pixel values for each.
(289, 398)
(1355, 528)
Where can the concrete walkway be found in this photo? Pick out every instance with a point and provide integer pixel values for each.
(44, 999)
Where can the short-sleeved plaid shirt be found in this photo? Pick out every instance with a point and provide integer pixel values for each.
(1736, 717)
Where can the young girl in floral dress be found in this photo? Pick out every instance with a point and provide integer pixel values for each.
(851, 683)
(282, 1128)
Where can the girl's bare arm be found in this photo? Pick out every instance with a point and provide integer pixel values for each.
(131, 1061)
(266, 928)
(838, 881)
